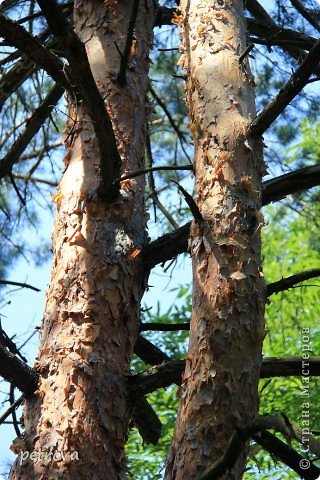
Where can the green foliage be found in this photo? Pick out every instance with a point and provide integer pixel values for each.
(288, 249)
(149, 459)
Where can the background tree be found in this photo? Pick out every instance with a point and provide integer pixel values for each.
(96, 302)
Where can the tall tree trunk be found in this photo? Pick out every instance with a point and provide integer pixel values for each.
(219, 389)
(91, 319)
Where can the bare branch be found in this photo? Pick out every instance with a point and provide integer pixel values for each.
(159, 168)
(164, 327)
(266, 21)
(19, 284)
(16, 372)
(81, 72)
(171, 244)
(22, 69)
(12, 80)
(304, 12)
(289, 282)
(125, 57)
(180, 134)
(292, 88)
(18, 37)
(166, 247)
(169, 372)
(40, 152)
(233, 451)
(6, 341)
(12, 407)
(14, 413)
(275, 35)
(281, 423)
(153, 193)
(158, 376)
(286, 454)
(289, 183)
(16, 189)
(148, 352)
(194, 209)
(34, 179)
(288, 366)
(269, 442)
(146, 421)
(32, 128)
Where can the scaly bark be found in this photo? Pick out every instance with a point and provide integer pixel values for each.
(219, 389)
(77, 421)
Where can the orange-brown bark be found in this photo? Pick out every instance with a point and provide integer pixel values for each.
(219, 389)
(78, 419)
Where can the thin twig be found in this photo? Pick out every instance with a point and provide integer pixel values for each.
(16, 189)
(19, 284)
(164, 107)
(304, 12)
(34, 179)
(143, 171)
(153, 194)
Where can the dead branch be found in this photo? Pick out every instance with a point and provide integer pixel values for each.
(153, 193)
(125, 57)
(110, 161)
(264, 19)
(146, 421)
(290, 430)
(289, 282)
(269, 442)
(164, 327)
(6, 341)
(171, 244)
(181, 135)
(286, 454)
(18, 37)
(17, 372)
(12, 80)
(34, 124)
(168, 373)
(148, 352)
(293, 87)
(12, 407)
(159, 168)
(289, 183)
(305, 13)
(166, 247)
(27, 178)
(19, 284)
(272, 34)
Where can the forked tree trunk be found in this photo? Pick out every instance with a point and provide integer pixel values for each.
(219, 389)
(76, 424)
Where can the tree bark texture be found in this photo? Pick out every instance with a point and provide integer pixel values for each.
(219, 388)
(76, 423)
